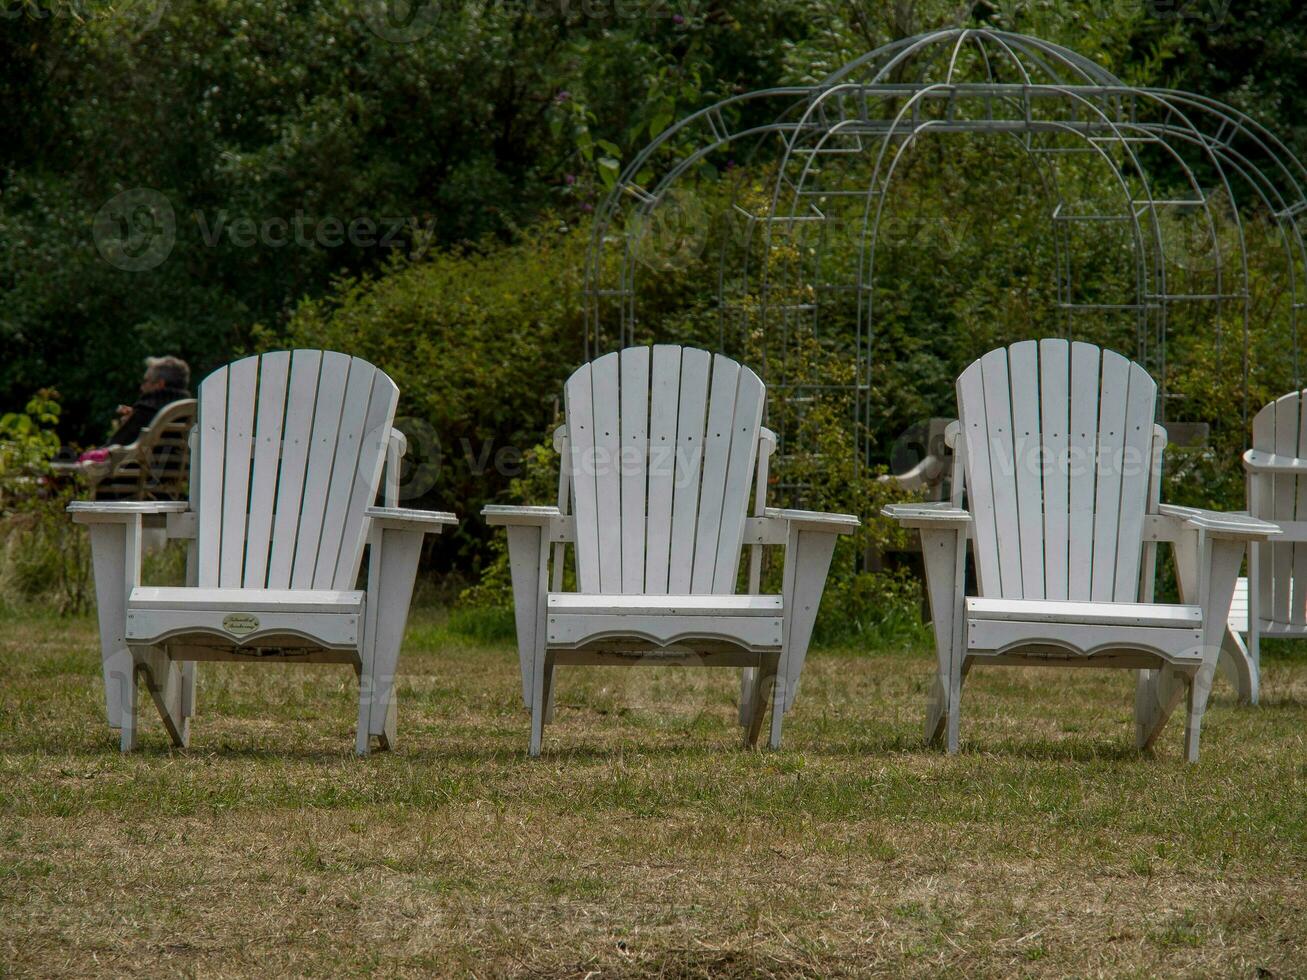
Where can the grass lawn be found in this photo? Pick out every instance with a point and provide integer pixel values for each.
(644, 841)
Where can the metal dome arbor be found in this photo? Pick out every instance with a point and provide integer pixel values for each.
(1177, 177)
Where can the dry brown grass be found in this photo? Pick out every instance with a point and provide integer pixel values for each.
(644, 841)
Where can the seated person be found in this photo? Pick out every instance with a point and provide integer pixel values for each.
(167, 380)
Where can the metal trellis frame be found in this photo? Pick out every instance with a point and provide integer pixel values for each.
(833, 150)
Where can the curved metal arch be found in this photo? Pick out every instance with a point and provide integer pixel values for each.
(1290, 208)
(714, 118)
(869, 241)
(1223, 155)
(1195, 133)
(897, 52)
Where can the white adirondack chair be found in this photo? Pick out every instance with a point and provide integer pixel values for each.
(659, 454)
(287, 465)
(1272, 601)
(1060, 462)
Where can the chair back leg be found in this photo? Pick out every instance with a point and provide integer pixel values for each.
(127, 714)
(1200, 688)
(1157, 693)
(542, 669)
(761, 684)
(166, 683)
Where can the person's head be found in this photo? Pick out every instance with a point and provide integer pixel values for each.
(166, 372)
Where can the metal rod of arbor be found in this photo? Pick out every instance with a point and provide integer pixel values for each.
(807, 249)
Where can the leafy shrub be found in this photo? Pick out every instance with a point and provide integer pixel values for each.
(42, 555)
(479, 342)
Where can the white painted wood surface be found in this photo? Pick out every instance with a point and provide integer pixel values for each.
(666, 605)
(688, 463)
(634, 426)
(1059, 464)
(1057, 517)
(289, 456)
(664, 402)
(1083, 393)
(1272, 600)
(664, 453)
(1102, 613)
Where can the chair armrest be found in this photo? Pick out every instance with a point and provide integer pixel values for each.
(498, 515)
(404, 519)
(122, 511)
(558, 526)
(399, 440)
(940, 515)
(811, 520)
(1256, 461)
(1219, 524)
(774, 527)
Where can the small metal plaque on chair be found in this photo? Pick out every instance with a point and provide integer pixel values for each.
(240, 623)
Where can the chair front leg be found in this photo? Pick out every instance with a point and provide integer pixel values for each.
(1203, 562)
(1221, 560)
(528, 560)
(807, 562)
(1255, 614)
(944, 554)
(392, 570)
(116, 564)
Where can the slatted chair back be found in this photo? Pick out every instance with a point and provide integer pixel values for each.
(661, 453)
(1060, 463)
(165, 452)
(156, 465)
(289, 455)
(1281, 428)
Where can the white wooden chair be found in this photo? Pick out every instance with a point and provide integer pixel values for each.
(1060, 463)
(1272, 600)
(290, 448)
(659, 454)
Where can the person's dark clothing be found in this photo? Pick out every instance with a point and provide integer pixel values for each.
(143, 413)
